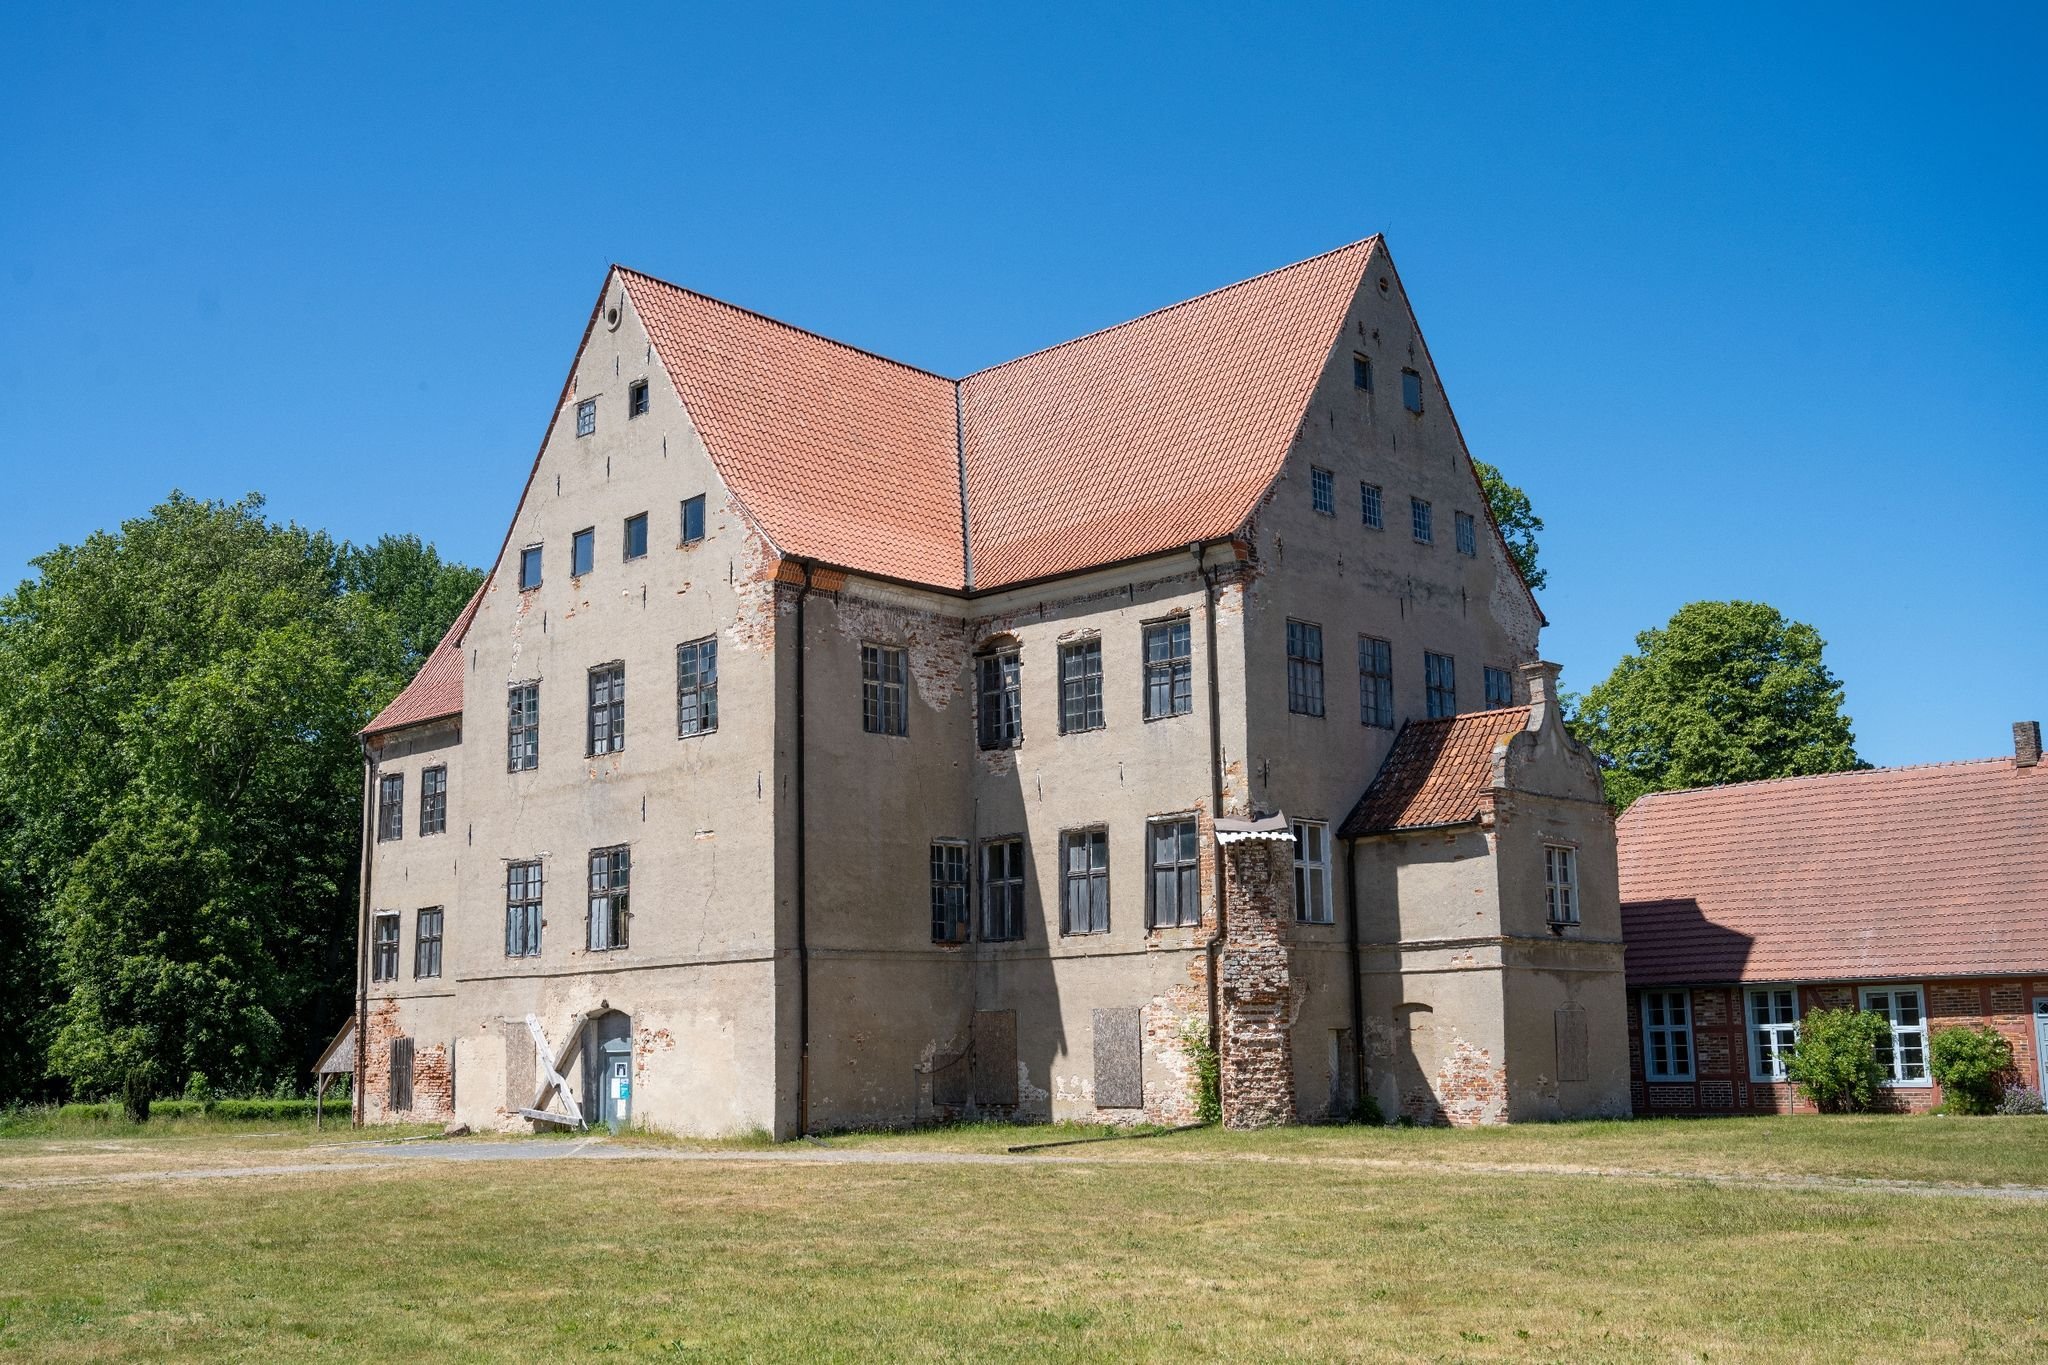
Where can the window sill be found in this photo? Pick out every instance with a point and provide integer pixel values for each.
(1686, 1079)
(1168, 715)
(1909, 1085)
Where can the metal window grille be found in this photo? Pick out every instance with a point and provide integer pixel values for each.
(586, 417)
(426, 946)
(391, 807)
(1667, 1036)
(949, 892)
(522, 909)
(1175, 858)
(610, 869)
(1903, 1052)
(434, 801)
(1304, 668)
(693, 519)
(1322, 491)
(1002, 889)
(1084, 862)
(607, 730)
(634, 540)
(636, 399)
(384, 947)
(1369, 506)
(1420, 519)
(582, 551)
(1169, 670)
(1081, 686)
(522, 727)
(1375, 682)
(1001, 694)
(1411, 391)
(1773, 1029)
(1468, 534)
(1439, 684)
(884, 690)
(697, 686)
(1561, 884)
(1500, 689)
(529, 568)
(1361, 373)
(1312, 904)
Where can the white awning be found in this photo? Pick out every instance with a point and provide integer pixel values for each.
(1274, 828)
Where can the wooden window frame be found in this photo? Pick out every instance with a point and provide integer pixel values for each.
(1439, 684)
(426, 946)
(697, 687)
(608, 916)
(390, 807)
(999, 698)
(1309, 906)
(885, 689)
(1375, 682)
(434, 800)
(604, 729)
(1183, 867)
(525, 899)
(384, 930)
(952, 892)
(1081, 686)
(1090, 881)
(1170, 669)
(522, 727)
(1004, 898)
(1305, 695)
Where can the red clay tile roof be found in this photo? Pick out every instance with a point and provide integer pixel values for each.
(1890, 873)
(435, 692)
(1439, 772)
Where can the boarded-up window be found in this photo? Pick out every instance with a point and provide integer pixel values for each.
(1119, 1059)
(1571, 1043)
(995, 1057)
(400, 1092)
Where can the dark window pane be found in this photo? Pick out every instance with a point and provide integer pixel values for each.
(636, 536)
(693, 519)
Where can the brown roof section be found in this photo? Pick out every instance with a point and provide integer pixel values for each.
(1439, 772)
(435, 692)
(1891, 873)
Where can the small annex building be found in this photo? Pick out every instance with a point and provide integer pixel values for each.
(1918, 892)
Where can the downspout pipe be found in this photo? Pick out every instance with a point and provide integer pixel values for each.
(1357, 981)
(1215, 946)
(355, 1099)
(803, 949)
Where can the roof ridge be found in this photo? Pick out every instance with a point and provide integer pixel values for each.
(785, 325)
(1168, 308)
(1873, 770)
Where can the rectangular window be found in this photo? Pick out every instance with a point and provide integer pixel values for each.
(1468, 534)
(582, 551)
(1084, 877)
(522, 725)
(1500, 689)
(522, 909)
(586, 417)
(1369, 506)
(697, 686)
(1001, 696)
(636, 398)
(1411, 391)
(1667, 1036)
(1903, 1055)
(949, 892)
(1361, 372)
(635, 538)
(1561, 884)
(693, 519)
(529, 568)
(609, 871)
(1002, 889)
(607, 729)
(426, 944)
(384, 947)
(1322, 491)
(1175, 858)
(1439, 684)
(1312, 903)
(884, 690)
(1169, 670)
(1773, 1029)
(1081, 686)
(391, 807)
(1304, 668)
(1420, 520)
(434, 801)
(1375, 683)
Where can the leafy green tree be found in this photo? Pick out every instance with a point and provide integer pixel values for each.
(1834, 1061)
(1724, 692)
(179, 705)
(409, 581)
(1517, 520)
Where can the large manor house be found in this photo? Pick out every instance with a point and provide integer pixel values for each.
(836, 743)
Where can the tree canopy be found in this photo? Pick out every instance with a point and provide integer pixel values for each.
(1517, 520)
(181, 787)
(1723, 692)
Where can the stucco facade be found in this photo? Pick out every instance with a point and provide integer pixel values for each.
(780, 967)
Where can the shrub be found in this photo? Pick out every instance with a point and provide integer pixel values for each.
(2021, 1099)
(135, 1094)
(1194, 1037)
(1834, 1061)
(197, 1089)
(1971, 1062)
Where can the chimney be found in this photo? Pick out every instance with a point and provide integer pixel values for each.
(2026, 743)
(1540, 678)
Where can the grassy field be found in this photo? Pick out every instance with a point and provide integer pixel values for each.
(1190, 1246)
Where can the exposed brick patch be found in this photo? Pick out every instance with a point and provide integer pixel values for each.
(1258, 991)
(1470, 1088)
(1165, 1019)
(433, 1076)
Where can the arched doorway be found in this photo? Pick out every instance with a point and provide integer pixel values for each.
(608, 1070)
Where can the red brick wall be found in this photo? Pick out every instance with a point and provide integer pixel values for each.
(1721, 1083)
(1257, 1056)
(433, 1077)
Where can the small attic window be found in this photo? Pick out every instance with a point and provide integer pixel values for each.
(693, 519)
(1383, 284)
(529, 568)
(586, 417)
(582, 551)
(1361, 373)
(636, 399)
(1411, 391)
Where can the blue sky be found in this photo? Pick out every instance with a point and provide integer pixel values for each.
(1753, 303)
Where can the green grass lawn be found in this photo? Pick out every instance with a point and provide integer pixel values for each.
(1201, 1249)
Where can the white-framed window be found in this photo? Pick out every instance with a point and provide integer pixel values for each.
(1312, 872)
(1773, 1029)
(384, 946)
(1904, 1054)
(1322, 490)
(586, 417)
(1561, 883)
(1667, 1036)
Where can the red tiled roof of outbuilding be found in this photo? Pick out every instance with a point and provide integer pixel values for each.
(435, 692)
(1439, 772)
(1888, 873)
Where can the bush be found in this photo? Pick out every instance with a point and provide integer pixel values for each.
(196, 1088)
(135, 1095)
(1834, 1061)
(1971, 1062)
(2021, 1099)
(1194, 1037)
